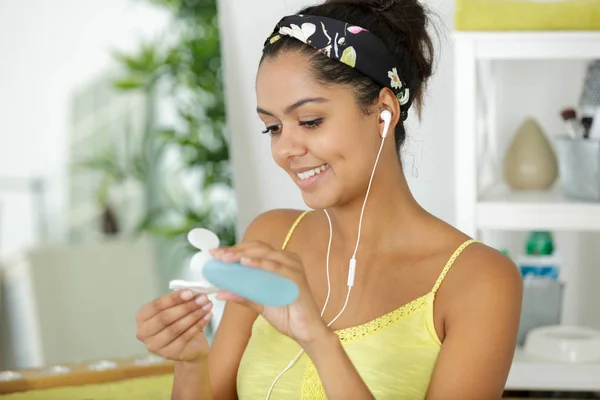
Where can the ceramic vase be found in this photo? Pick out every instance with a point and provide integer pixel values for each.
(530, 162)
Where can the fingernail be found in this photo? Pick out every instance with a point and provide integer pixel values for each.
(246, 260)
(186, 295)
(207, 306)
(201, 299)
(208, 316)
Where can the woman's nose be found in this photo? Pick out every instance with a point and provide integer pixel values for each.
(289, 144)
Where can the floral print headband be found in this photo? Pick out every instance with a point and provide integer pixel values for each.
(348, 44)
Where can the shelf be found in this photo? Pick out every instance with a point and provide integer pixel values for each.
(582, 45)
(531, 373)
(503, 209)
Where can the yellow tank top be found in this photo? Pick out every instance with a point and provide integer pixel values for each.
(395, 354)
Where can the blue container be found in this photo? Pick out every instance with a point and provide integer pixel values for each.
(257, 285)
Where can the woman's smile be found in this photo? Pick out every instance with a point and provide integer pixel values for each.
(307, 177)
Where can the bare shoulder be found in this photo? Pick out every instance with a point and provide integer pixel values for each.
(485, 266)
(485, 276)
(481, 308)
(272, 226)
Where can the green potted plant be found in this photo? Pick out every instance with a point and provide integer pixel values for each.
(183, 166)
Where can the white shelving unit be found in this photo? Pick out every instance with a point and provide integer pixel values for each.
(486, 205)
(472, 52)
(502, 209)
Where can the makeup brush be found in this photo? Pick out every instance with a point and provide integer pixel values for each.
(569, 115)
(587, 124)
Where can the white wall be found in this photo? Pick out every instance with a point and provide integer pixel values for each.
(47, 48)
(260, 183)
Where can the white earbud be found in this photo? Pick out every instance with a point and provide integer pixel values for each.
(386, 116)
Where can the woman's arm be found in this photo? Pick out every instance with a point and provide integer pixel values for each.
(481, 323)
(191, 380)
(339, 377)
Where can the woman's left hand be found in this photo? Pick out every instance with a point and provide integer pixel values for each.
(300, 320)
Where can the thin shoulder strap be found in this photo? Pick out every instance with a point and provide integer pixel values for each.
(450, 262)
(293, 228)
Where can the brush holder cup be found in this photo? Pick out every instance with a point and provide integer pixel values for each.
(579, 167)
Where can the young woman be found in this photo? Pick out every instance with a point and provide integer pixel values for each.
(430, 314)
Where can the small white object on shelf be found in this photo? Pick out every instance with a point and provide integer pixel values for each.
(6, 376)
(150, 359)
(57, 370)
(102, 365)
(564, 343)
(529, 372)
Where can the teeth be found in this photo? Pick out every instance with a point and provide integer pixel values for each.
(312, 172)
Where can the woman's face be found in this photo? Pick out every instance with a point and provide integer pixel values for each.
(319, 135)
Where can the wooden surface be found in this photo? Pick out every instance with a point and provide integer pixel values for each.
(154, 381)
(81, 374)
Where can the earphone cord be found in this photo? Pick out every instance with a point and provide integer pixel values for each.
(350, 272)
(291, 364)
(366, 196)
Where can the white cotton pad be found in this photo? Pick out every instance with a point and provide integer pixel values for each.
(196, 287)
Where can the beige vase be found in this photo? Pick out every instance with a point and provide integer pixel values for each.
(530, 162)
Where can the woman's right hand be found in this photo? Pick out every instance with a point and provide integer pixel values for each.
(172, 326)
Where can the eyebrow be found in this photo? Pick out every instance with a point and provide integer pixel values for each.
(289, 109)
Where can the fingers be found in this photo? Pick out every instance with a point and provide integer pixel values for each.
(233, 251)
(246, 252)
(267, 264)
(162, 303)
(182, 342)
(181, 331)
(170, 315)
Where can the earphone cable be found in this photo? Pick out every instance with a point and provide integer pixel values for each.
(351, 269)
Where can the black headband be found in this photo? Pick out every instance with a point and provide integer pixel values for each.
(348, 44)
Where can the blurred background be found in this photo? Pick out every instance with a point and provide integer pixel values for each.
(126, 123)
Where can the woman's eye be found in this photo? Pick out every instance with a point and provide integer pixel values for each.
(312, 123)
(276, 129)
(272, 130)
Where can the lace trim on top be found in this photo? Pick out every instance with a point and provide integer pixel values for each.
(378, 324)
